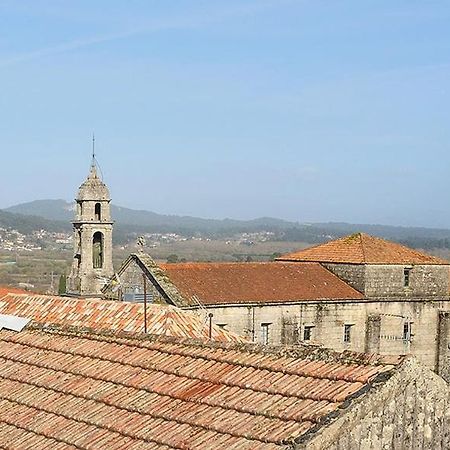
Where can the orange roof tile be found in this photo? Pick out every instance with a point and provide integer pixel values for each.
(112, 315)
(361, 248)
(224, 283)
(64, 389)
(5, 290)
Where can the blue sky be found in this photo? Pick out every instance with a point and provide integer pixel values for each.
(315, 110)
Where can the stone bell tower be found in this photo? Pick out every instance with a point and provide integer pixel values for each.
(92, 261)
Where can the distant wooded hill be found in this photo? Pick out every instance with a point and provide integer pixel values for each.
(56, 215)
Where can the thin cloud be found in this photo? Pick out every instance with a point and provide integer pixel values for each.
(194, 22)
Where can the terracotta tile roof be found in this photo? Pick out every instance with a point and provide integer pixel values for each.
(111, 315)
(220, 283)
(361, 248)
(5, 290)
(63, 389)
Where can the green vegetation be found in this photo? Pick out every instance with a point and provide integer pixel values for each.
(62, 284)
(173, 258)
(56, 215)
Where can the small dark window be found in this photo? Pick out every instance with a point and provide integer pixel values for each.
(98, 212)
(222, 325)
(407, 328)
(307, 332)
(347, 332)
(265, 333)
(406, 277)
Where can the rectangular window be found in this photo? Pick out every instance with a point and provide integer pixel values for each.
(406, 277)
(265, 333)
(347, 332)
(407, 328)
(307, 332)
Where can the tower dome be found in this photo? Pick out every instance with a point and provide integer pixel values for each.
(93, 188)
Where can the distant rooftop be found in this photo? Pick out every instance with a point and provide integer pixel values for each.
(71, 388)
(361, 248)
(112, 316)
(224, 283)
(5, 290)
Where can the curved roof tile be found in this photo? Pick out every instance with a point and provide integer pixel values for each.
(361, 248)
(225, 283)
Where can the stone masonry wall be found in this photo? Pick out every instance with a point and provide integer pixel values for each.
(353, 274)
(443, 356)
(388, 281)
(328, 318)
(409, 411)
(132, 282)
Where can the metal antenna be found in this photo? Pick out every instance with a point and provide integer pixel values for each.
(95, 165)
(93, 148)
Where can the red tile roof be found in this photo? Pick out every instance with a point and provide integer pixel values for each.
(361, 248)
(224, 283)
(5, 290)
(63, 389)
(112, 315)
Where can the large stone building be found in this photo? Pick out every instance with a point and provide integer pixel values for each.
(92, 263)
(357, 293)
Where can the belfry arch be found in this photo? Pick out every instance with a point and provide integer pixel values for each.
(97, 250)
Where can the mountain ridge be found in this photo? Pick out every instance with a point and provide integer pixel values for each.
(62, 210)
(57, 215)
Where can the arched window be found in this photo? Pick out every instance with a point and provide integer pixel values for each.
(98, 212)
(97, 250)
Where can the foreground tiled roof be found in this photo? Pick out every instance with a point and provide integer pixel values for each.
(62, 389)
(361, 248)
(111, 315)
(220, 283)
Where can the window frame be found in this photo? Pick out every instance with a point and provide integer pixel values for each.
(347, 336)
(265, 332)
(407, 331)
(307, 332)
(407, 277)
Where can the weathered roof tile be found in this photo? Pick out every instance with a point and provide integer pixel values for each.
(113, 315)
(225, 283)
(360, 248)
(77, 389)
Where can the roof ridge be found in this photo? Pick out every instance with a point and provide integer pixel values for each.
(309, 352)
